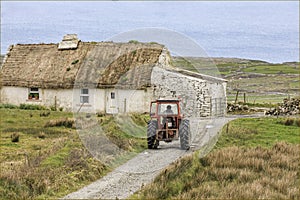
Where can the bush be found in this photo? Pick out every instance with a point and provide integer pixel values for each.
(289, 122)
(133, 41)
(75, 62)
(45, 114)
(153, 43)
(66, 122)
(15, 137)
(53, 108)
(42, 135)
(32, 107)
(297, 122)
(9, 106)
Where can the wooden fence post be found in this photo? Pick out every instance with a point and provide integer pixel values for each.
(236, 96)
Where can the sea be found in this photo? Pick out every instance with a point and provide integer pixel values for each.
(259, 30)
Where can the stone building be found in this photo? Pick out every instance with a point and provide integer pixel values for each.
(105, 77)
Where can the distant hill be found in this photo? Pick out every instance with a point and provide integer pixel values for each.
(260, 81)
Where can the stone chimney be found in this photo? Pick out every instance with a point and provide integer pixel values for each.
(70, 41)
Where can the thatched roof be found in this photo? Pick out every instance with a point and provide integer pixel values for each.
(100, 64)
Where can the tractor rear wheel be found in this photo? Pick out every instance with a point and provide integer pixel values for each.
(184, 134)
(151, 135)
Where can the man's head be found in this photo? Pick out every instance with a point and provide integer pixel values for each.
(169, 107)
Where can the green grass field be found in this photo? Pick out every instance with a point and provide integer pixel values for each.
(273, 69)
(253, 159)
(261, 81)
(50, 160)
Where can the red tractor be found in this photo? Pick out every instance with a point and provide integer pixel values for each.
(167, 124)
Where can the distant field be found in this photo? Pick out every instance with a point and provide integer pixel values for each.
(273, 69)
(262, 82)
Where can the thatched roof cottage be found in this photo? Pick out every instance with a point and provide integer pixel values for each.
(102, 77)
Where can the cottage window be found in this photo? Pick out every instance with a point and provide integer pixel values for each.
(33, 94)
(84, 96)
(112, 95)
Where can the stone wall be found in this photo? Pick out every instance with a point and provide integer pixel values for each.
(194, 92)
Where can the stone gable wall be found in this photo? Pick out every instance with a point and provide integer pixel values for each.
(194, 93)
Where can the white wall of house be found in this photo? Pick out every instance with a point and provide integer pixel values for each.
(14, 95)
(96, 100)
(61, 98)
(127, 101)
(99, 100)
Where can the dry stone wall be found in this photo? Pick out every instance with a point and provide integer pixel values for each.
(288, 107)
(194, 93)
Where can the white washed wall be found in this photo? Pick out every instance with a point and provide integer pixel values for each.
(63, 98)
(96, 101)
(47, 97)
(69, 99)
(133, 100)
(14, 95)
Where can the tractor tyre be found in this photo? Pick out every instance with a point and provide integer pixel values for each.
(151, 135)
(184, 134)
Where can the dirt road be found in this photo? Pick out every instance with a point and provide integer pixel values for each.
(142, 169)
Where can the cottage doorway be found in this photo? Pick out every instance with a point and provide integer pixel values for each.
(111, 102)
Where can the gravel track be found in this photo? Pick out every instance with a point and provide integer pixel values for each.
(142, 169)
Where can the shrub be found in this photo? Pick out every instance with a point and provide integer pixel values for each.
(66, 122)
(133, 41)
(297, 122)
(15, 137)
(32, 107)
(42, 135)
(53, 108)
(9, 106)
(45, 114)
(153, 43)
(74, 62)
(289, 122)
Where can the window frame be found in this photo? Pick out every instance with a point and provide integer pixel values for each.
(112, 95)
(33, 93)
(84, 95)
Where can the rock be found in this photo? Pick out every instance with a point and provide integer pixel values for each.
(288, 107)
(231, 107)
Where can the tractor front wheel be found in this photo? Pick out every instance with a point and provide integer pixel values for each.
(184, 134)
(151, 135)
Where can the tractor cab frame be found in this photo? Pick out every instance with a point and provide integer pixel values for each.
(167, 123)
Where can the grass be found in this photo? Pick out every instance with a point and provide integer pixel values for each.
(275, 82)
(259, 100)
(273, 69)
(123, 129)
(253, 159)
(263, 132)
(50, 160)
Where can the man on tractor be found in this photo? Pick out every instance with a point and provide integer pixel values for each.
(167, 124)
